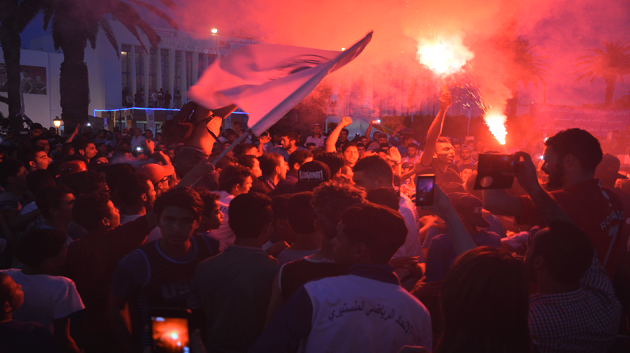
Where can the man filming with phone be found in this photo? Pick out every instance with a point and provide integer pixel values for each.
(439, 155)
(571, 157)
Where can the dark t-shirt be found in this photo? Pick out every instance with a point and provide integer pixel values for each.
(596, 210)
(449, 180)
(26, 337)
(294, 275)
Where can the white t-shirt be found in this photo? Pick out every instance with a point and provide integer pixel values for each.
(224, 234)
(412, 246)
(138, 141)
(46, 298)
(319, 142)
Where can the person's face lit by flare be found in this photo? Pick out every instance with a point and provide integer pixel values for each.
(554, 168)
(444, 152)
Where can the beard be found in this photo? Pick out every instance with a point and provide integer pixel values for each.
(556, 177)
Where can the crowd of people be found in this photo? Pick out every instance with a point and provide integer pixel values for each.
(285, 243)
(156, 99)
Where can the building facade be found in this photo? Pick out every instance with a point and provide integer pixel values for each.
(176, 64)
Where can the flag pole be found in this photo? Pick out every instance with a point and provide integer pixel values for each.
(231, 147)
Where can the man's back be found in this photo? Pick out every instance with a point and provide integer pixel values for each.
(235, 288)
(357, 314)
(584, 320)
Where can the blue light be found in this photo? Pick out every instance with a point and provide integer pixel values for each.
(171, 110)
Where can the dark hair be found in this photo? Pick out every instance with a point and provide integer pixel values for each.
(115, 172)
(300, 213)
(240, 149)
(80, 143)
(36, 246)
(132, 186)
(329, 201)
(210, 199)
(182, 197)
(485, 303)
(84, 182)
(229, 132)
(310, 144)
(249, 214)
(380, 228)
(375, 167)
(345, 130)
(233, 175)
(9, 167)
(385, 196)
(247, 160)
(269, 162)
(50, 197)
(443, 139)
(414, 145)
(299, 156)
(35, 126)
(38, 179)
(345, 146)
(90, 209)
(578, 143)
(332, 160)
(566, 264)
(279, 206)
(225, 162)
(292, 135)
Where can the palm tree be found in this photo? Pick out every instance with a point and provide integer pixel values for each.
(11, 43)
(74, 23)
(528, 67)
(609, 64)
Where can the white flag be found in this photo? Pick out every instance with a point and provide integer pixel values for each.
(268, 80)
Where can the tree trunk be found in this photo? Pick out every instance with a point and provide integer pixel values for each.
(610, 91)
(513, 104)
(74, 85)
(11, 43)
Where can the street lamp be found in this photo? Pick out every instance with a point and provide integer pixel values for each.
(57, 122)
(214, 31)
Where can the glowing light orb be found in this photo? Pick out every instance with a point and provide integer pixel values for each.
(444, 56)
(174, 335)
(214, 31)
(496, 123)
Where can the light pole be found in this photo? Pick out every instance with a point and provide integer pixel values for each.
(57, 122)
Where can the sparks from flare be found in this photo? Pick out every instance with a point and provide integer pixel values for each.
(444, 56)
(496, 123)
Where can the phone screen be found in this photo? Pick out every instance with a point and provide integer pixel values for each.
(493, 171)
(170, 334)
(424, 189)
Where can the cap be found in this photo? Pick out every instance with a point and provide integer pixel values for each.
(469, 208)
(156, 172)
(72, 167)
(608, 168)
(311, 174)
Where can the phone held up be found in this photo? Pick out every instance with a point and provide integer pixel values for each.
(170, 330)
(495, 171)
(425, 185)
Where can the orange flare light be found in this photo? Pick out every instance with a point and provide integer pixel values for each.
(496, 123)
(444, 56)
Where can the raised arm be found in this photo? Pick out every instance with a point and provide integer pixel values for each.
(331, 141)
(435, 130)
(460, 237)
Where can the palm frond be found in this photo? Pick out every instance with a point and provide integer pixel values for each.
(127, 20)
(152, 35)
(156, 11)
(169, 3)
(57, 39)
(26, 12)
(48, 14)
(109, 33)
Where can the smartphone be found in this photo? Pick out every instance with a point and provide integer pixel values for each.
(170, 331)
(425, 185)
(492, 170)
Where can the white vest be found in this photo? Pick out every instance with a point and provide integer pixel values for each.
(358, 314)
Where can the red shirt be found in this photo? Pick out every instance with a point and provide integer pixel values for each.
(596, 210)
(91, 263)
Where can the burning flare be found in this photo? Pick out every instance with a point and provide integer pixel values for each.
(444, 56)
(496, 123)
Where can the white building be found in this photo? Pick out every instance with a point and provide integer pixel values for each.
(176, 65)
